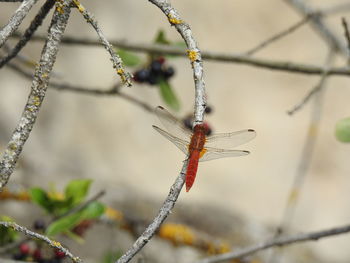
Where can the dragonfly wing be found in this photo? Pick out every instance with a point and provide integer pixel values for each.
(214, 153)
(230, 140)
(181, 144)
(173, 125)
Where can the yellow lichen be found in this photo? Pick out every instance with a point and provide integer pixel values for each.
(56, 243)
(59, 6)
(36, 101)
(174, 20)
(192, 55)
(79, 6)
(177, 233)
(113, 214)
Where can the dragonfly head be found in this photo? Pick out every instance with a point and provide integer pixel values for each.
(202, 128)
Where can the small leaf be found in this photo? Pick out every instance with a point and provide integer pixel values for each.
(93, 210)
(41, 198)
(77, 190)
(342, 130)
(64, 224)
(168, 95)
(161, 38)
(129, 58)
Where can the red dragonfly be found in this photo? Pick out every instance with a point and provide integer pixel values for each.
(199, 147)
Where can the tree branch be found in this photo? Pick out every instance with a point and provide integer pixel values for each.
(45, 9)
(287, 66)
(282, 241)
(51, 243)
(16, 20)
(37, 94)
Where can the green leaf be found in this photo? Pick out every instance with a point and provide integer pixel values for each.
(342, 130)
(129, 58)
(77, 190)
(93, 210)
(64, 224)
(161, 38)
(168, 95)
(41, 198)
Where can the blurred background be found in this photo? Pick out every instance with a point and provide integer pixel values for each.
(110, 140)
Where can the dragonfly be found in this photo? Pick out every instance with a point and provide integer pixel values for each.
(197, 145)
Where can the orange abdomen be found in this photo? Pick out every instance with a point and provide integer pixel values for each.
(192, 169)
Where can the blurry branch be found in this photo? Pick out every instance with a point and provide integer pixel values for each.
(211, 55)
(113, 91)
(16, 20)
(116, 60)
(318, 24)
(278, 36)
(163, 213)
(51, 243)
(38, 89)
(347, 36)
(317, 88)
(306, 155)
(278, 242)
(37, 21)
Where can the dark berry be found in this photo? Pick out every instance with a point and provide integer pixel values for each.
(188, 123)
(59, 254)
(37, 255)
(39, 224)
(141, 75)
(18, 256)
(156, 67)
(161, 60)
(208, 110)
(168, 72)
(152, 79)
(24, 249)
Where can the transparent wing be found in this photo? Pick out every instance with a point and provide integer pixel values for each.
(173, 125)
(230, 140)
(214, 153)
(181, 144)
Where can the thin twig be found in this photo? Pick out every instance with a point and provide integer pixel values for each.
(279, 35)
(287, 66)
(37, 21)
(319, 25)
(51, 243)
(116, 60)
(278, 242)
(313, 91)
(16, 20)
(38, 89)
(347, 36)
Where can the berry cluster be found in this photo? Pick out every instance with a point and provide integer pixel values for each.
(154, 72)
(25, 253)
(188, 121)
(29, 253)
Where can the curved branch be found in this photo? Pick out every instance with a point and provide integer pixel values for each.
(16, 20)
(38, 90)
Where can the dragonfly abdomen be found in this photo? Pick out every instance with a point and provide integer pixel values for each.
(192, 169)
